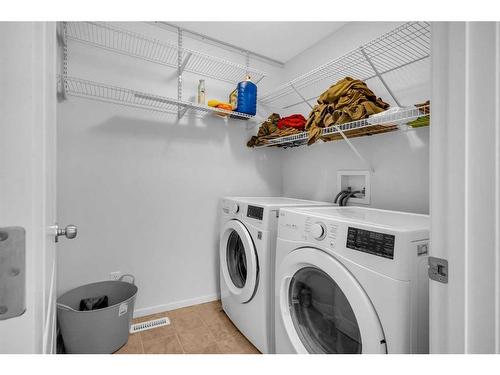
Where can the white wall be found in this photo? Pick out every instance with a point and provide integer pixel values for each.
(143, 189)
(400, 160)
(401, 163)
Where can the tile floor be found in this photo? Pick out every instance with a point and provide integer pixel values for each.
(200, 329)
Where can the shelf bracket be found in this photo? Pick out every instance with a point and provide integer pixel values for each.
(301, 96)
(379, 75)
(184, 63)
(354, 149)
(182, 112)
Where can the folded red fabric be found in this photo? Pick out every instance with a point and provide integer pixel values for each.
(293, 121)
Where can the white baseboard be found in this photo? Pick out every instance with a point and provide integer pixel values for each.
(174, 305)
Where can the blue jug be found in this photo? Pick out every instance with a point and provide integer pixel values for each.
(247, 97)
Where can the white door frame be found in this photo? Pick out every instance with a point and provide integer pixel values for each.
(46, 88)
(27, 178)
(465, 187)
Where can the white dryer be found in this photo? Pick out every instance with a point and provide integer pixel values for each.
(351, 280)
(247, 260)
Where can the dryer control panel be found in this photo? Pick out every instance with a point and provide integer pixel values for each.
(370, 242)
(260, 216)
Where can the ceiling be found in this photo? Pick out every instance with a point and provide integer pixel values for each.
(277, 40)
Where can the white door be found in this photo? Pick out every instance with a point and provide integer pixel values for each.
(465, 187)
(323, 308)
(28, 174)
(239, 266)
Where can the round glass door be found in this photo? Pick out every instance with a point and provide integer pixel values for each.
(236, 260)
(321, 314)
(323, 308)
(239, 266)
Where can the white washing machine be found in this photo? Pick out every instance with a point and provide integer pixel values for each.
(247, 259)
(351, 280)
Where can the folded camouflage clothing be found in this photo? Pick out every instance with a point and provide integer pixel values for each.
(269, 130)
(348, 100)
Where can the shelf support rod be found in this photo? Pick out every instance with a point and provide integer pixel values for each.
(64, 41)
(260, 79)
(179, 72)
(354, 149)
(379, 75)
(247, 62)
(301, 96)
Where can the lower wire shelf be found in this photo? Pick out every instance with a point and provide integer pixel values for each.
(132, 98)
(381, 123)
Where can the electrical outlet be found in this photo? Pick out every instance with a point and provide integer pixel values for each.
(115, 275)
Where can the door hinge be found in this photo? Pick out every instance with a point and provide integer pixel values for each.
(438, 270)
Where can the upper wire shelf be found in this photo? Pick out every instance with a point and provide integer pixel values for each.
(119, 95)
(118, 40)
(398, 48)
(389, 119)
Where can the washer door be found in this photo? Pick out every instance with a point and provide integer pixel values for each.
(239, 264)
(323, 307)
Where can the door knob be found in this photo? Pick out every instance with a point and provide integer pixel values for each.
(69, 232)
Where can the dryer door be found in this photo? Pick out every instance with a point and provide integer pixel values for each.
(323, 307)
(239, 265)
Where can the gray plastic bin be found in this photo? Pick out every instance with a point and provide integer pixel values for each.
(97, 331)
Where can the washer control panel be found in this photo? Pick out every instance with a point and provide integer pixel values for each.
(255, 212)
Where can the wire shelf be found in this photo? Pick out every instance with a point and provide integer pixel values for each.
(400, 47)
(118, 40)
(391, 120)
(119, 95)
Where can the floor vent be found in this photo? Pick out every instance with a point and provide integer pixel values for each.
(150, 324)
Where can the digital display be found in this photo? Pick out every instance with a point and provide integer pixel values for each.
(375, 243)
(255, 212)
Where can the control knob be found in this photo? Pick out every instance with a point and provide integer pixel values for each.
(234, 208)
(318, 231)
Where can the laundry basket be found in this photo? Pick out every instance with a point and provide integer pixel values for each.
(97, 331)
